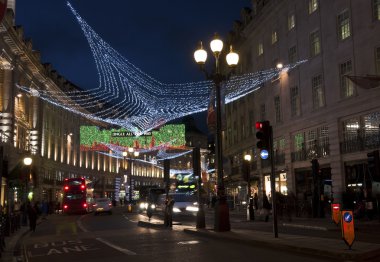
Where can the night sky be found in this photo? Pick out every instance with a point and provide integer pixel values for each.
(159, 37)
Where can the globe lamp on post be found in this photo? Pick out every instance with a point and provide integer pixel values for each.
(222, 221)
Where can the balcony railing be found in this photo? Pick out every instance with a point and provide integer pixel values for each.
(360, 143)
(311, 153)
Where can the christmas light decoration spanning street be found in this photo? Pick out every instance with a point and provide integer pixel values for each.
(129, 98)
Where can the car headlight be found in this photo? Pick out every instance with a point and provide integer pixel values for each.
(153, 206)
(176, 210)
(192, 208)
(143, 205)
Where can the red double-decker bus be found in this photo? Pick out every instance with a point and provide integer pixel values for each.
(77, 195)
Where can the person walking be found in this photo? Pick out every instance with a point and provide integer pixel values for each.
(169, 211)
(266, 206)
(32, 215)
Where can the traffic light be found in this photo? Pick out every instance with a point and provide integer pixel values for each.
(374, 163)
(263, 135)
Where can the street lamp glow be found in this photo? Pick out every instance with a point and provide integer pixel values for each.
(232, 58)
(130, 149)
(279, 65)
(247, 157)
(28, 161)
(125, 154)
(200, 55)
(136, 153)
(216, 44)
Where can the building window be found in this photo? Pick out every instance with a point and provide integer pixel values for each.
(260, 49)
(346, 86)
(292, 53)
(318, 92)
(313, 6)
(294, 101)
(376, 9)
(277, 107)
(262, 112)
(344, 30)
(315, 44)
(291, 21)
(299, 141)
(377, 55)
(274, 37)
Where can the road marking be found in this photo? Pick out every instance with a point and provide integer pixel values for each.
(123, 250)
(80, 225)
(190, 242)
(127, 218)
(305, 226)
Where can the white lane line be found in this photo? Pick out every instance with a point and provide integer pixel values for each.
(80, 225)
(123, 250)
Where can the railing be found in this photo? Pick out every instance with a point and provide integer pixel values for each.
(360, 143)
(311, 153)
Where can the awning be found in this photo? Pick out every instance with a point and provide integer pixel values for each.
(366, 82)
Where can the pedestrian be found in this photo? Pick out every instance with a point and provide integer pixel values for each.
(32, 215)
(266, 206)
(169, 211)
(255, 201)
(44, 209)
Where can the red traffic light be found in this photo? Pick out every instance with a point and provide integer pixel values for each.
(263, 134)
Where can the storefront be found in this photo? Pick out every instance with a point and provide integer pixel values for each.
(280, 183)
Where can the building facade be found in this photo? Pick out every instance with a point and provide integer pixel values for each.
(315, 110)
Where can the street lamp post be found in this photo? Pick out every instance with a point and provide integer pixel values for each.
(27, 162)
(250, 212)
(132, 153)
(222, 220)
(125, 154)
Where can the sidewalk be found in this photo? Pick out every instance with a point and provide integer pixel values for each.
(247, 233)
(329, 248)
(13, 251)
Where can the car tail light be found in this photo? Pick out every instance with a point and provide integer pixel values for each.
(84, 204)
(82, 186)
(65, 207)
(109, 204)
(66, 187)
(94, 205)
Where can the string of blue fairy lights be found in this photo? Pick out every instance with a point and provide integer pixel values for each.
(129, 98)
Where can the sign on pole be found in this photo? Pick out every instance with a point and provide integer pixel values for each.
(348, 229)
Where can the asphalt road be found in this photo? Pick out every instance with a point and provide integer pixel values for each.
(117, 237)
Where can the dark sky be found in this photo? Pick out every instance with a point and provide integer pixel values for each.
(158, 36)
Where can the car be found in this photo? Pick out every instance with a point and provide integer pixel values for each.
(184, 203)
(102, 205)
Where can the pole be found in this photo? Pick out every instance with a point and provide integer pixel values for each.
(272, 184)
(130, 180)
(222, 219)
(250, 212)
(201, 221)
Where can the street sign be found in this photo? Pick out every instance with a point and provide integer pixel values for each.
(335, 211)
(348, 229)
(264, 154)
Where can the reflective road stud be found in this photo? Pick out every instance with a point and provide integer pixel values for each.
(348, 229)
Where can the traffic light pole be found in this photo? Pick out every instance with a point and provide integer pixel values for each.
(272, 183)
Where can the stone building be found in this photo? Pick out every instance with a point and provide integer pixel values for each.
(316, 110)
